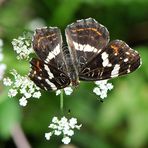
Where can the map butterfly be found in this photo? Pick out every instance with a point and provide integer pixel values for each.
(89, 56)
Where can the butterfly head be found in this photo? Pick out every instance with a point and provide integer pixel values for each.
(75, 83)
(74, 79)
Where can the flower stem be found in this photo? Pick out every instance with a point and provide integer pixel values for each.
(19, 137)
(61, 101)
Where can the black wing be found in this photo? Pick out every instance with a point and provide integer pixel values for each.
(94, 57)
(47, 43)
(86, 38)
(114, 60)
(47, 76)
(48, 72)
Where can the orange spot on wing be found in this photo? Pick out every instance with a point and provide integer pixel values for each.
(46, 37)
(38, 65)
(115, 49)
(93, 29)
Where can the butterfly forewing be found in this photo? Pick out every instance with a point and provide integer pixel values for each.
(47, 43)
(86, 38)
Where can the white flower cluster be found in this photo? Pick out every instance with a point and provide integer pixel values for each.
(24, 86)
(23, 47)
(2, 66)
(68, 91)
(63, 126)
(102, 88)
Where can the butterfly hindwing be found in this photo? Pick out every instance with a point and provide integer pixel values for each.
(116, 59)
(46, 76)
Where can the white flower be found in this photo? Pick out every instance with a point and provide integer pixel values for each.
(55, 120)
(24, 86)
(78, 126)
(97, 91)
(23, 101)
(23, 47)
(60, 127)
(12, 92)
(48, 135)
(68, 91)
(68, 132)
(72, 122)
(65, 127)
(37, 94)
(57, 132)
(101, 82)
(7, 82)
(102, 88)
(63, 120)
(18, 82)
(53, 126)
(27, 95)
(22, 89)
(58, 92)
(103, 94)
(66, 140)
(109, 86)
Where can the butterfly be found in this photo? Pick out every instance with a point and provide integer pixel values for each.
(89, 55)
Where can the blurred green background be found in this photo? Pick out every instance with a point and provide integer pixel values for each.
(122, 120)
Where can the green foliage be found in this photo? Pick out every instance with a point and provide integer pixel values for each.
(9, 116)
(121, 120)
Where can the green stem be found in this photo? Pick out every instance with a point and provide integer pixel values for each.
(61, 101)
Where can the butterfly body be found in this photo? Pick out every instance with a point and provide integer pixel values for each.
(89, 56)
(72, 71)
